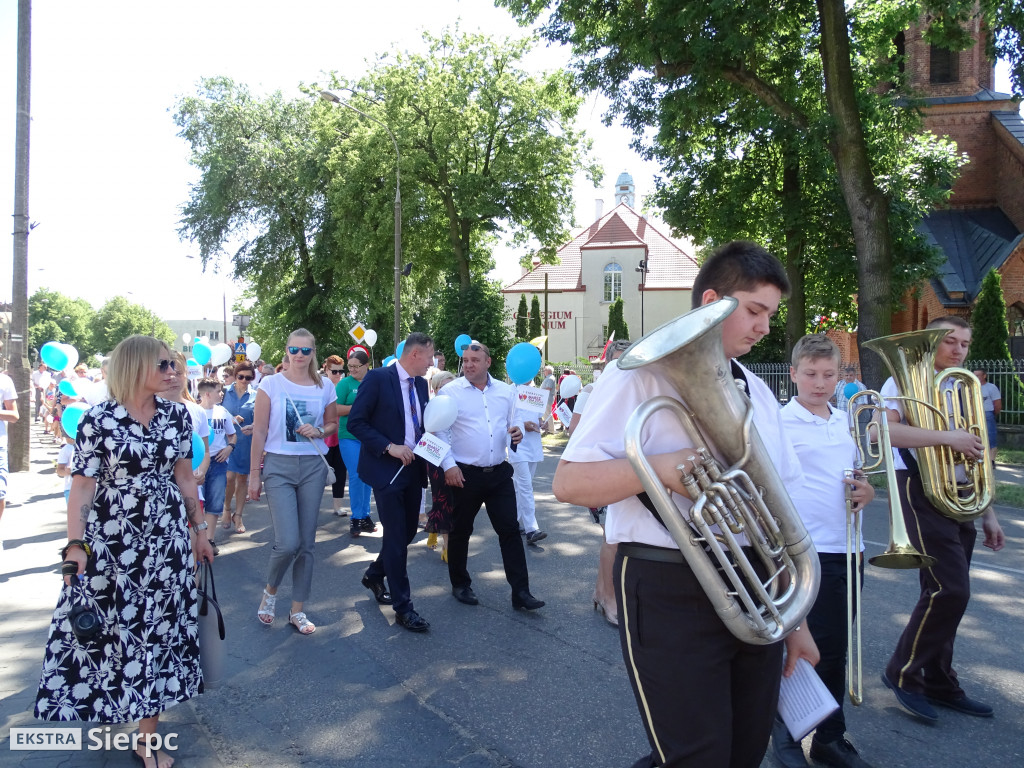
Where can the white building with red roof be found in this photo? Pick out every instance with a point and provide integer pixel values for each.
(620, 254)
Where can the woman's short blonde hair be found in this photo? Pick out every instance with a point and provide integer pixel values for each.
(314, 368)
(439, 379)
(131, 362)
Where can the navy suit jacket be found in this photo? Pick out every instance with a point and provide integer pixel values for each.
(378, 418)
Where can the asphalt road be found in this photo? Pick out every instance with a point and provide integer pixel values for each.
(488, 685)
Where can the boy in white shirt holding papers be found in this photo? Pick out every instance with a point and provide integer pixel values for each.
(825, 448)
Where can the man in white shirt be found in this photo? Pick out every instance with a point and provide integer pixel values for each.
(478, 474)
(548, 385)
(993, 403)
(672, 639)
(40, 381)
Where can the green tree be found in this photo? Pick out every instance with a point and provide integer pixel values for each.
(119, 318)
(816, 68)
(536, 325)
(53, 316)
(479, 312)
(522, 320)
(486, 146)
(617, 320)
(990, 331)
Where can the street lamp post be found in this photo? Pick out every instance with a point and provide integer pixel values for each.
(334, 97)
(643, 270)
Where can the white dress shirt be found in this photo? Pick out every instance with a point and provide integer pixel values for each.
(404, 377)
(479, 435)
(601, 435)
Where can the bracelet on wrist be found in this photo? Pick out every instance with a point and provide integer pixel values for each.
(83, 545)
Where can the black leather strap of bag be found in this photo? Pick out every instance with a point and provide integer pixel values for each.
(208, 596)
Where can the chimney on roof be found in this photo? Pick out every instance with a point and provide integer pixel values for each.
(598, 208)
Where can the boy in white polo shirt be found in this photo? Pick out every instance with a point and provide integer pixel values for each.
(825, 448)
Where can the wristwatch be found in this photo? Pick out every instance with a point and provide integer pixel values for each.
(202, 526)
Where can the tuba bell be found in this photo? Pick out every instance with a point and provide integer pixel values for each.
(746, 497)
(959, 487)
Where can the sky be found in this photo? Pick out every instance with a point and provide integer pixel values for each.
(108, 174)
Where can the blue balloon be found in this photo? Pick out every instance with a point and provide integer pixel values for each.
(523, 363)
(70, 418)
(201, 352)
(66, 388)
(462, 341)
(401, 348)
(198, 451)
(192, 362)
(54, 356)
(850, 390)
(389, 360)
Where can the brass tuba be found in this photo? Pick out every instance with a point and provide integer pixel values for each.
(746, 498)
(957, 486)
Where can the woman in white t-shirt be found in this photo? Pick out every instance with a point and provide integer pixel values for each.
(294, 411)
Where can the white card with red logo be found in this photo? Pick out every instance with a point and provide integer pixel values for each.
(432, 448)
(532, 399)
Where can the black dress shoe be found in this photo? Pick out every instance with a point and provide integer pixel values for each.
(838, 753)
(526, 601)
(914, 703)
(964, 704)
(377, 587)
(412, 621)
(788, 752)
(465, 595)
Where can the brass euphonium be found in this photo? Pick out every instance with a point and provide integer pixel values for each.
(958, 486)
(746, 497)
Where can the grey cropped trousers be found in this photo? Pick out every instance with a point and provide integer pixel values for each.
(294, 486)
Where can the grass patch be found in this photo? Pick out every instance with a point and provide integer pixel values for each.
(1009, 495)
(1009, 456)
(557, 440)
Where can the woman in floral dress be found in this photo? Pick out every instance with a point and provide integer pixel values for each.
(132, 496)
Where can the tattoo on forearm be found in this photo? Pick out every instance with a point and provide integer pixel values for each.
(84, 514)
(192, 510)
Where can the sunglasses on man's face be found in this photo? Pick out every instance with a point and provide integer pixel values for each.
(337, 371)
(303, 350)
(166, 365)
(240, 377)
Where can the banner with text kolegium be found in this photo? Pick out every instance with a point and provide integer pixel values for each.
(532, 399)
(432, 448)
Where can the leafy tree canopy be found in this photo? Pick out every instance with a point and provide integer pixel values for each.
(53, 316)
(119, 318)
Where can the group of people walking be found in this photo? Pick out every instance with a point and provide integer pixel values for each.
(136, 527)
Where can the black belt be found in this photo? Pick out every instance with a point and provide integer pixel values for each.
(648, 552)
(475, 468)
(664, 555)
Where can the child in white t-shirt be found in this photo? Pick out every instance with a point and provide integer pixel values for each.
(222, 443)
(67, 451)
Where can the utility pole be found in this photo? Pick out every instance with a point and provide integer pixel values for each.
(18, 432)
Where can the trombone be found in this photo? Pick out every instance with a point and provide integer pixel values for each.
(874, 451)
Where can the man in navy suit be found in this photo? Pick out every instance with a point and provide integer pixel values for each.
(387, 419)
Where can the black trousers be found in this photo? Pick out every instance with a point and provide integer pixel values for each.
(398, 506)
(495, 489)
(827, 623)
(923, 659)
(333, 457)
(707, 699)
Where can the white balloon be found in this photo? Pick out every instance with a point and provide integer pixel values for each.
(186, 337)
(370, 337)
(571, 386)
(220, 354)
(205, 340)
(82, 387)
(72, 354)
(440, 414)
(253, 351)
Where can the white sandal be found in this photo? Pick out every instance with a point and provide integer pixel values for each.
(267, 605)
(301, 623)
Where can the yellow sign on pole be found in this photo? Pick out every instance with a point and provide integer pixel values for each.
(357, 332)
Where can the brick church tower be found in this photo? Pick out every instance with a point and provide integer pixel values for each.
(980, 228)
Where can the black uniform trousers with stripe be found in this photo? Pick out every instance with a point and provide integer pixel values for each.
(923, 659)
(707, 700)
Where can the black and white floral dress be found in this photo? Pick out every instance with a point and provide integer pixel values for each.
(139, 578)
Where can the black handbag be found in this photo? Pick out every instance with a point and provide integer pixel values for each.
(212, 647)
